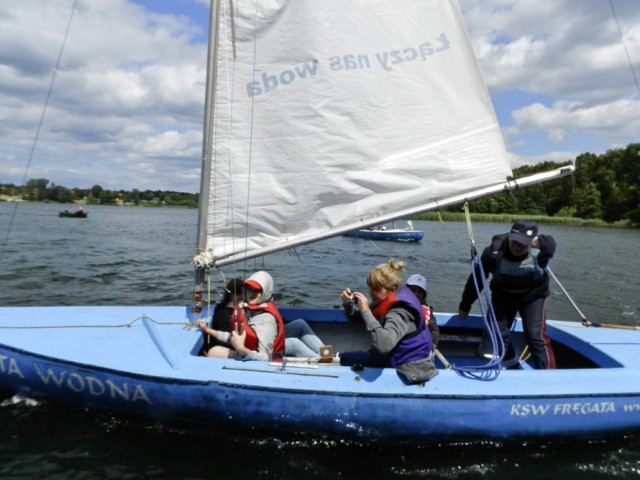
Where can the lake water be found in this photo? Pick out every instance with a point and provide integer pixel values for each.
(133, 256)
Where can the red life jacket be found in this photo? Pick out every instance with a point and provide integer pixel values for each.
(426, 312)
(238, 323)
(383, 307)
(251, 341)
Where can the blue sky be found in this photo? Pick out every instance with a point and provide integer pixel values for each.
(126, 108)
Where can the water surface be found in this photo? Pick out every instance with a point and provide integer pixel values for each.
(132, 256)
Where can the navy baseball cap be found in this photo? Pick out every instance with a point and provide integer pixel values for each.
(523, 232)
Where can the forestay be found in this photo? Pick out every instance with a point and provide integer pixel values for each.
(334, 115)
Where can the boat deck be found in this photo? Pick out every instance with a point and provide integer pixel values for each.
(168, 345)
(145, 360)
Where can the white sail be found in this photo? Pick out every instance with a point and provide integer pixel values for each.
(337, 114)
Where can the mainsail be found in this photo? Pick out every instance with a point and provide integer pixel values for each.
(328, 116)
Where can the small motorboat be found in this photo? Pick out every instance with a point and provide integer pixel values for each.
(80, 213)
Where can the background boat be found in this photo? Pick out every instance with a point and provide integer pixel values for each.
(76, 214)
(381, 232)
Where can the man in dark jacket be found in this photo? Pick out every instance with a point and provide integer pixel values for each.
(519, 284)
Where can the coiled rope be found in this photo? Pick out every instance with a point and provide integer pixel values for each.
(490, 370)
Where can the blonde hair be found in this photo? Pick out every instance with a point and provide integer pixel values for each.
(386, 275)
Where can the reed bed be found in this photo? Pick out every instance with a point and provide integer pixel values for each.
(510, 218)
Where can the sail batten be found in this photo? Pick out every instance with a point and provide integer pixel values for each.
(329, 122)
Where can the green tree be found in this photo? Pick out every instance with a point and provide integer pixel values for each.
(96, 191)
(630, 177)
(108, 197)
(36, 189)
(134, 197)
(59, 194)
(78, 193)
(587, 202)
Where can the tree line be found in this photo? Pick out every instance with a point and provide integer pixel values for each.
(39, 190)
(604, 187)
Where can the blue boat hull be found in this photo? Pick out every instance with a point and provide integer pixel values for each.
(143, 361)
(400, 234)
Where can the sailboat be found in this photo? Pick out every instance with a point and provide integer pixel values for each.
(381, 232)
(324, 117)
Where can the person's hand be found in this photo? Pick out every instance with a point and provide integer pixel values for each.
(237, 341)
(534, 242)
(201, 324)
(345, 295)
(462, 314)
(362, 301)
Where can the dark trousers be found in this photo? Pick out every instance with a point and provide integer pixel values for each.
(369, 358)
(534, 324)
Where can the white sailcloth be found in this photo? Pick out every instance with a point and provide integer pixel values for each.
(337, 114)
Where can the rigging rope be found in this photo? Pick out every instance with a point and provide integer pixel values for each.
(626, 50)
(121, 325)
(490, 370)
(35, 140)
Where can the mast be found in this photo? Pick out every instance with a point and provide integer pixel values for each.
(207, 152)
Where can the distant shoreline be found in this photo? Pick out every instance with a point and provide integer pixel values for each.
(145, 204)
(8, 198)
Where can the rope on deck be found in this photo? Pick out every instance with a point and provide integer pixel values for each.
(121, 325)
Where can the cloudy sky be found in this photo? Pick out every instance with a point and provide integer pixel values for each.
(126, 106)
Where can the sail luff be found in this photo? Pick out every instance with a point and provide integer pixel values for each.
(207, 157)
(207, 134)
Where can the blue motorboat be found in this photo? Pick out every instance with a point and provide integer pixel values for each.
(407, 234)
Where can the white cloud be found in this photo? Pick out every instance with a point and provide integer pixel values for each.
(127, 79)
(570, 52)
(173, 144)
(618, 119)
(126, 107)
